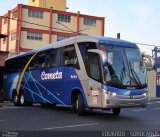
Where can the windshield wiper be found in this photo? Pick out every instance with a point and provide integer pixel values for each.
(134, 74)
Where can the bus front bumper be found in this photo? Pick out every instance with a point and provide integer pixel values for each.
(122, 101)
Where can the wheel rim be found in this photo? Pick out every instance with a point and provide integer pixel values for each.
(22, 99)
(15, 98)
(77, 104)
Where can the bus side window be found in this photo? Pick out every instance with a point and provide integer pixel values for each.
(19, 64)
(7, 67)
(70, 57)
(38, 62)
(84, 47)
(93, 66)
(41, 60)
(53, 58)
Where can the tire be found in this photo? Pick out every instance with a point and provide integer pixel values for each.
(80, 104)
(22, 99)
(15, 99)
(116, 111)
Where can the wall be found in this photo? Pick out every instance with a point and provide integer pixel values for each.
(151, 83)
(56, 4)
(3, 56)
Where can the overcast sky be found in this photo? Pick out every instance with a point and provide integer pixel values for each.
(137, 20)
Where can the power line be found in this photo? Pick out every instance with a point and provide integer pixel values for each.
(69, 30)
(147, 45)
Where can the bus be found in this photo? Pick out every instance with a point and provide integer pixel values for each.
(85, 72)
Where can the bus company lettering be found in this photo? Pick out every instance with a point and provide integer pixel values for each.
(48, 76)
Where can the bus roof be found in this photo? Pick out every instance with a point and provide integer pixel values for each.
(77, 39)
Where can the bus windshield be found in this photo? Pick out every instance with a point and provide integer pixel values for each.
(125, 68)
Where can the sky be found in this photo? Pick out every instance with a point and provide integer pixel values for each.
(137, 20)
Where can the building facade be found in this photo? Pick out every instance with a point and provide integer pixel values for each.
(43, 22)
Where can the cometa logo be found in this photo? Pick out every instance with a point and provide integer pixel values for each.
(48, 76)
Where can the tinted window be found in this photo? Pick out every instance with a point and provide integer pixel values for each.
(38, 62)
(14, 65)
(52, 58)
(84, 47)
(70, 57)
(93, 66)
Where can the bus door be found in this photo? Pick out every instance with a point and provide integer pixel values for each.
(93, 69)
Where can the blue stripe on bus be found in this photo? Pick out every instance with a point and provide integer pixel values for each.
(125, 91)
(35, 81)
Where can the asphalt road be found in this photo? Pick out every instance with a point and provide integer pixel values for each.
(37, 118)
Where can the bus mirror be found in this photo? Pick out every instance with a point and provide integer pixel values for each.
(101, 54)
(148, 60)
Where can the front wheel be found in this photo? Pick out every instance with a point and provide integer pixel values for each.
(116, 111)
(80, 104)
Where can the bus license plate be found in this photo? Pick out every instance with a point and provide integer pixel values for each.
(131, 103)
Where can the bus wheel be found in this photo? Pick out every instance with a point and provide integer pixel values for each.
(22, 99)
(79, 104)
(116, 111)
(16, 99)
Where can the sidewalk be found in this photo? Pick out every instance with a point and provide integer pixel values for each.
(154, 99)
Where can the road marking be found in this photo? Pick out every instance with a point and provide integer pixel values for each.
(71, 126)
(138, 110)
(156, 108)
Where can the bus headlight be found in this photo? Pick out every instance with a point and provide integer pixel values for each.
(114, 94)
(144, 94)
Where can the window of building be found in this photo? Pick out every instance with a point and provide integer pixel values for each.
(4, 40)
(13, 36)
(89, 22)
(59, 38)
(34, 36)
(64, 18)
(35, 14)
(5, 20)
(14, 15)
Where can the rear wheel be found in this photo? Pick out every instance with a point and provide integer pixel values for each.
(116, 111)
(80, 104)
(22, 99)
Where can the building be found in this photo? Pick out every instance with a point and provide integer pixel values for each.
(3, 55)
(43, 22)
